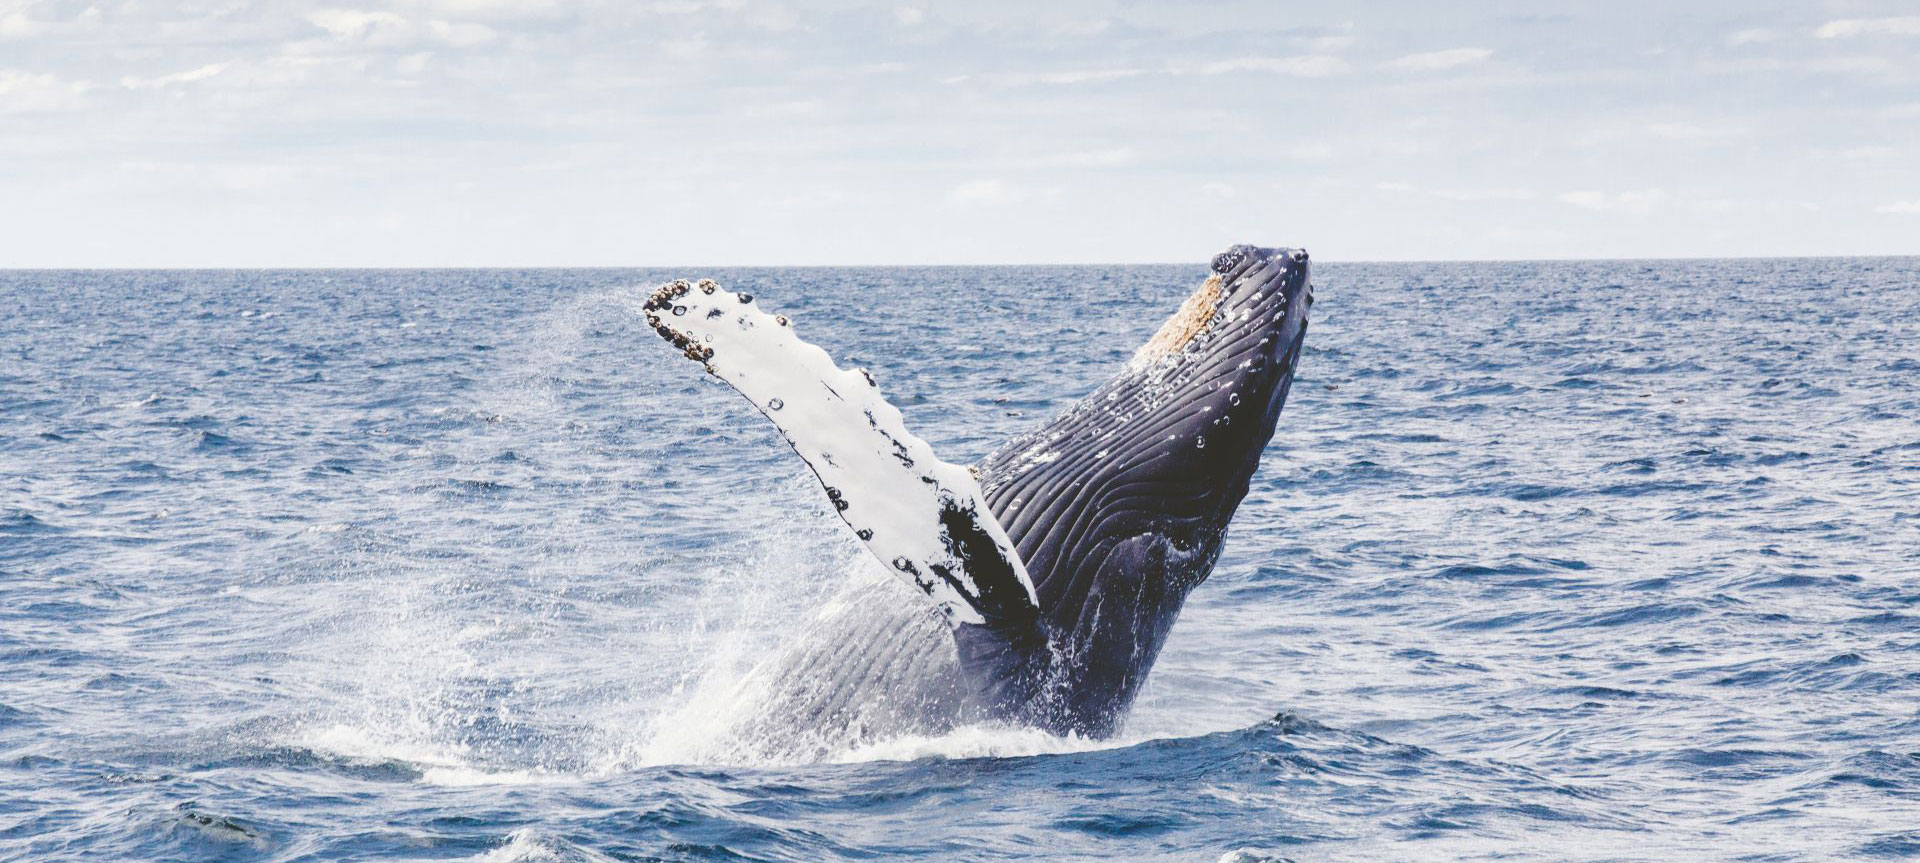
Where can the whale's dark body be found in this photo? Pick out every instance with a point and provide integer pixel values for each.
(1117, 507)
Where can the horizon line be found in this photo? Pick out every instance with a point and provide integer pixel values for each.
(710, 266)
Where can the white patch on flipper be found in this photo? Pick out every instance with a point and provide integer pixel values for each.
(886, 483)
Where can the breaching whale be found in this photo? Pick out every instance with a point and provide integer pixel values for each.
(1051, 572)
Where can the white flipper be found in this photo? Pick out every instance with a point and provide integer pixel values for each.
(927, 520)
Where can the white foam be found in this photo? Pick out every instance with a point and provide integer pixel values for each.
(984, 740)
(527, 846)
(438, 764)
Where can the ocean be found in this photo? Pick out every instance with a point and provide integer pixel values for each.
(1548, 561)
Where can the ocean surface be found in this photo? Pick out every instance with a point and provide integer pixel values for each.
(1597, 561)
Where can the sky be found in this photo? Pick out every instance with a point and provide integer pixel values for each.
(233, 133)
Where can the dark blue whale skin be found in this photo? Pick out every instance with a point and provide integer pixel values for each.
(1119, 505)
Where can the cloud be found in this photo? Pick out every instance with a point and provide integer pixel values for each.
(1693, 132)
(1458, 194)
(1900, 208)
(1847, 27)
(388, 28)
(1866, 153)
(461, 34)
(36, 92)
(492, 8)
(987, 193)
(190, 76)
(1070, 77)
(1309, 66)
(15, 25)
(355, 23)
(1434, 61)
(1750, 36)
(1118, 157)
(413, 64)
(1638, 203)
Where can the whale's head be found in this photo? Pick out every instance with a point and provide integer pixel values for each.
(1207, 388)
(1118, 506)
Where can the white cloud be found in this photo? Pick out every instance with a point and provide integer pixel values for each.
(190, 76)
(461, 34)
(1845, 27)
(1867, 153)
(357, 24)
(1075, 76)
(492, 8)
(1693, 132)
(1750, 36)
(1900, 208)
(909, 16)
(688, 48)
(987, 193)
(690, 7)
(1459, 194)
(1638, 203)
(34, 92)
(413, 64)
(1118, 157)
(1434, 61)
(388, 28)
(1309, 66)
(774, 19)
(15, 25)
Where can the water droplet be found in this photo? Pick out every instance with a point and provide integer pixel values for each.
(775, 404)
(746, 298)
(864, 534)
(1233, 398)
(1200, 442)
(679, 310)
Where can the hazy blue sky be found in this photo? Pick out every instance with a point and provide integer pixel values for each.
(473, 132)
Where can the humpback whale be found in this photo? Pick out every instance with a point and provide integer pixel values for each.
(1051, 572)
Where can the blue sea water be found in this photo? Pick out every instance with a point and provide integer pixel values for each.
(1548, 561)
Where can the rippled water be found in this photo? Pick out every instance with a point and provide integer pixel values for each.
(1596, 561)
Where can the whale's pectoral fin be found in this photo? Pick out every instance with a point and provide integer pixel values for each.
(927, 520)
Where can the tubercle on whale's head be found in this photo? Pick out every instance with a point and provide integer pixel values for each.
(1250, 292)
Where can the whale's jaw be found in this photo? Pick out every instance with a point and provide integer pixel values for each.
(1119, 505)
